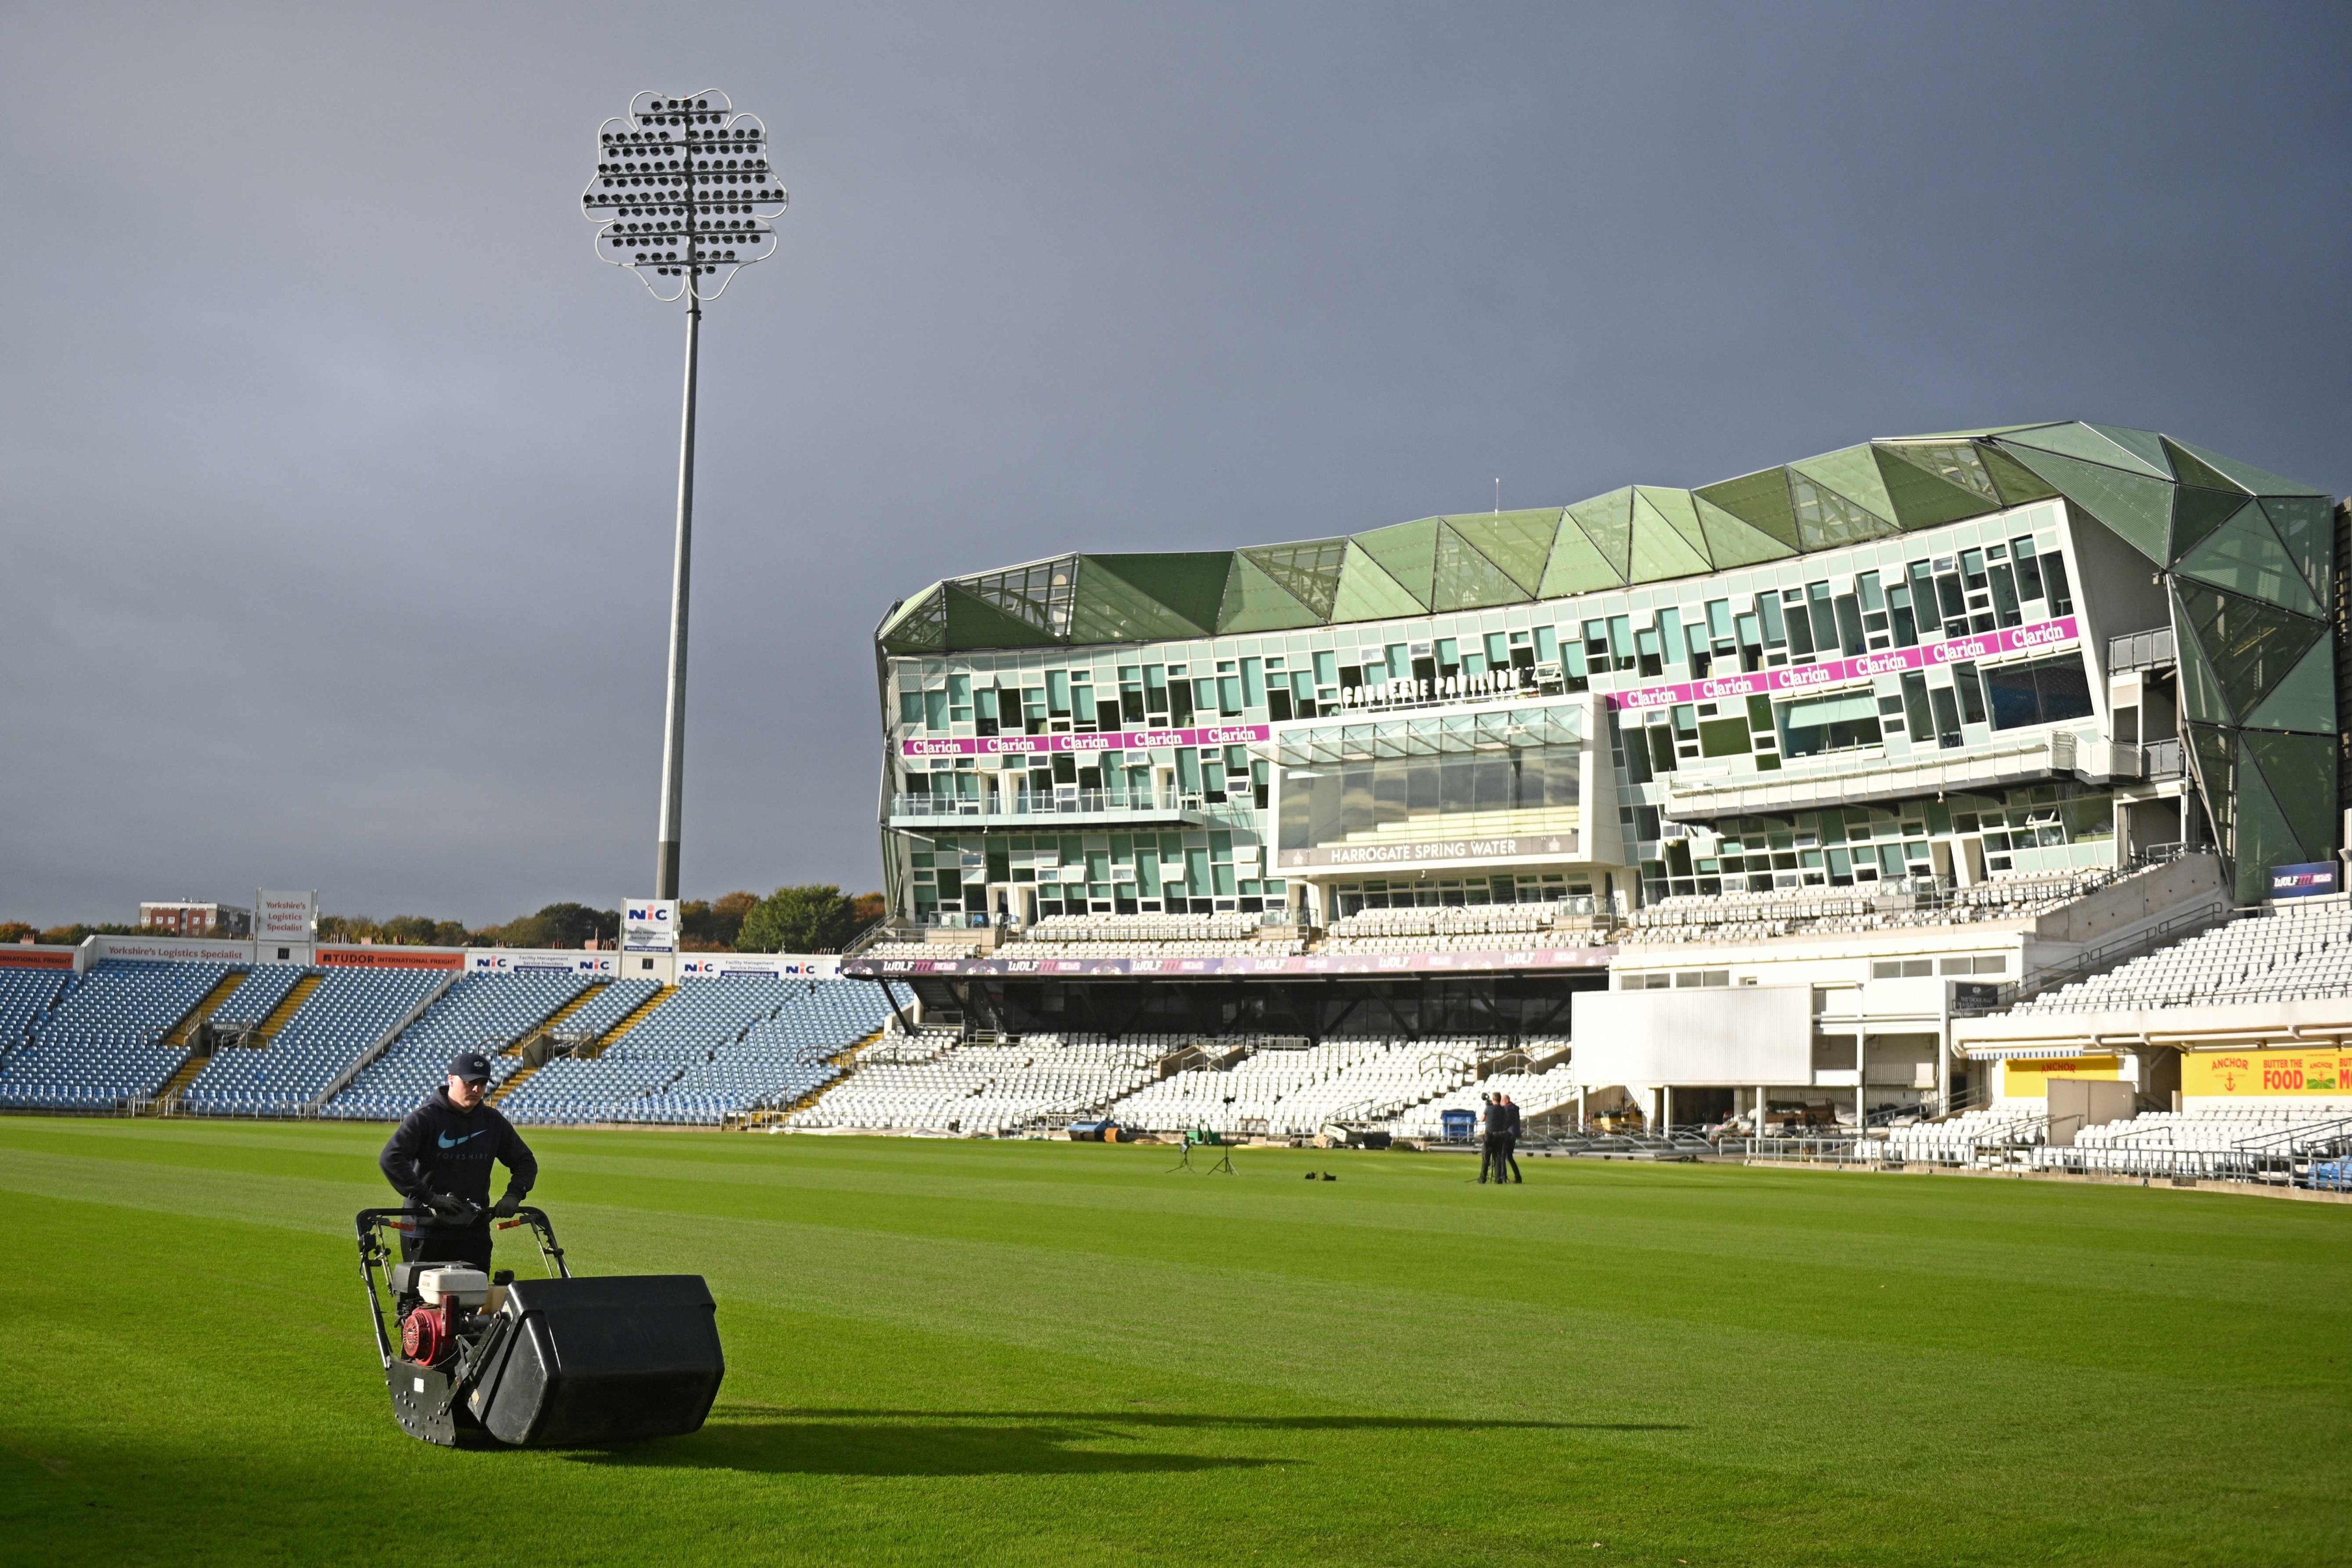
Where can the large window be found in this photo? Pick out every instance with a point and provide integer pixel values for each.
(1828, 724)
(1332, 801)
(2046, 691)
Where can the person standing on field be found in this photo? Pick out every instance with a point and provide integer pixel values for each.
(439, 1159)
(1490, 1126)
(1507, 1151)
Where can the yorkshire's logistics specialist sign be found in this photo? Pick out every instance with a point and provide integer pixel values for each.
(2307, 880)
(1838, 671)
(2239, 1075)
(285, 917)
(649, 925)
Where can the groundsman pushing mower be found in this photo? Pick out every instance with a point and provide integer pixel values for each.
(484, 1360)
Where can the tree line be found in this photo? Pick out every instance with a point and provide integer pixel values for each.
(812, 918)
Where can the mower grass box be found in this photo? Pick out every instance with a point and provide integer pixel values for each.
(601, 1361)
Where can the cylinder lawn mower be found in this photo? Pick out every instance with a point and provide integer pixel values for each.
(485, 1360)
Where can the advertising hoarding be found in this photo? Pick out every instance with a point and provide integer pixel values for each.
(649, 925)
(789, 965)
(290, 917)
(529, 961)
(390, 958)
(2296, 1074)
(2312, 879)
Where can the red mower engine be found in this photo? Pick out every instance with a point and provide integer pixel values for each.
(427, 1335)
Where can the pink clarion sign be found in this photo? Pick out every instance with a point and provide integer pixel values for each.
(1100, 741)
(1838, 671)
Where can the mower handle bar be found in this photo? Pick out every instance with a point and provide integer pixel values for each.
(524, 1214)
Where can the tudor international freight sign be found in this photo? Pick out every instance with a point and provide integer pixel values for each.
(2239, 1075)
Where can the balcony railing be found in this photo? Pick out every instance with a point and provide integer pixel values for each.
(2142, 650)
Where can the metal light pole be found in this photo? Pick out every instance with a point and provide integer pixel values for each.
(684, 197)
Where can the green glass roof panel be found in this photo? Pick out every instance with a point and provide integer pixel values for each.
(2244, 557)
(920, 626)
(2192, 470)
(1975, 435)
(1680, 511)
(1039, 593)
(1112, 609)
(2306, 700)
(2135, 506)
(1759, 500)
(1608, 522)
(2261, 481)
(1465, 579)
(1519, 541)
(2145, 444)
(1826, 518)
(1660, 551)
(2252, 646)
(1308, 572)
(1408, 553)
(1256, 603)
(2085, 444)
(2301, 773)
(1923, 496)
(2305, 527)
(1367, 593)
(1731, 543)
(973, 622)
(2264, 837)
(2198, 511)
(2213, 755)
(2114, 475)
(1576, 566)
(1852, 472)
(1959, 463)
(2200, 690)
(1191, 583)
(2017, 483)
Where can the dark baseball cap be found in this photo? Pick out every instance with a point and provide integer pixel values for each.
(471, 1066)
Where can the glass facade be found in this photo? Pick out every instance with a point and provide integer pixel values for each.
(1883, 607)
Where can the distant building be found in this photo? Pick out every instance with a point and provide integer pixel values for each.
(184, 917)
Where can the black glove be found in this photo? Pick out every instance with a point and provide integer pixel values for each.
(507, 1204)
(453, 1210)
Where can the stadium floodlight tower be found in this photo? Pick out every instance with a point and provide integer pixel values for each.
(684, 197)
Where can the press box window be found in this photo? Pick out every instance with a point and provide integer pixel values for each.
(2044, 691)
(1828, 725)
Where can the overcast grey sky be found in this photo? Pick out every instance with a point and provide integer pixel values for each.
(336, 473)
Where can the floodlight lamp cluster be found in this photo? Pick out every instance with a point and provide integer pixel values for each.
(683, 194)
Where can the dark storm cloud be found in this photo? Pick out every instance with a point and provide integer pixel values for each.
(338, 473)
